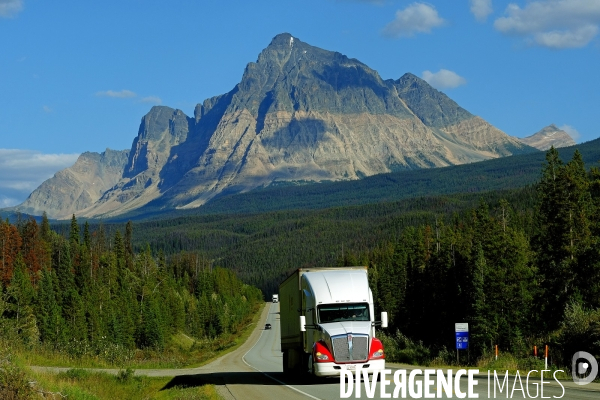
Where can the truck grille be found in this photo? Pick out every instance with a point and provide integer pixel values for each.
(347, 348)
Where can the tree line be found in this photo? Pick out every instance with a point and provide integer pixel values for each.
(90, 293)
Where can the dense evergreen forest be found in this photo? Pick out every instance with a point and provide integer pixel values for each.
(521, 266)
(265, 248)
(518, 279)
(89, 294)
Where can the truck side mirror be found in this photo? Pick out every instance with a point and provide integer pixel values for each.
(302, 323)
(384, 319)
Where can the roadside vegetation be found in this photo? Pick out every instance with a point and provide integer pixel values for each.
(78, 384)
(86, 300)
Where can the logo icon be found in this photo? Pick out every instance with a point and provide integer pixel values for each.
(581, 367)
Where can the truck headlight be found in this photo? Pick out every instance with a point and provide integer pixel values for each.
(321, 353)
(376, 349)
(378, 353)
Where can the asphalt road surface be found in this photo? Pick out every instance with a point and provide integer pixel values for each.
(254, 372)
(265, 357)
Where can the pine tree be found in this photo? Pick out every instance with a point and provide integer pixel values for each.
(49, 313)
(483, 336)
(74, 231)
(10, 245)
(129, 244)
(20, 295)
(563, 232)
(45, 230)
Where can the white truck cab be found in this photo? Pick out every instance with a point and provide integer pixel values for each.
(327, 322)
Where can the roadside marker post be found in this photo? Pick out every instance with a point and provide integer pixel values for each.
(496, 352)
(461, 331)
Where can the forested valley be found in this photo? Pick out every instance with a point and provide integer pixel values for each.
(521, 266)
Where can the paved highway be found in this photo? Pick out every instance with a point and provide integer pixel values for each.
(265, 357)
(254, 372)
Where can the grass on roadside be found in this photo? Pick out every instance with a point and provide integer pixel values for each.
(181, 352)
(17, 382)
(83, 385)
(402, 349)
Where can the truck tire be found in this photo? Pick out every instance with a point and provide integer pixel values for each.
(304, 370)
(286, 360)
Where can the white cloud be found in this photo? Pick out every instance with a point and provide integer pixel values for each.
(416, 18)
(443, 79)
(151, 99)
(22, 171)
(8, 201)
(578, 37)
(571, 131)
(481, 9)
(10, 8)
(120, 94)
(557, 24)
(47, 109)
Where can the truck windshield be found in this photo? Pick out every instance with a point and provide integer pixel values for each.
(343, 312)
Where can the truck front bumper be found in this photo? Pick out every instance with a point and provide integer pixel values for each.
(333, 369)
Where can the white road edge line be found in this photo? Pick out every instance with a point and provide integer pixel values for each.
(269, 376)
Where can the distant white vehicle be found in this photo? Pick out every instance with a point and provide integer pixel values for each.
(275, 298)
(327, 322)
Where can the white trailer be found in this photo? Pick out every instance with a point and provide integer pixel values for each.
(327, 322)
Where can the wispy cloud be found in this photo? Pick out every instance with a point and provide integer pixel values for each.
(10, 8)
(574, 133)
(122, 94)
(481, 9)
(22, 171)
(557, 24)
(443, 79)
(151, 99)
(416, 18)
(47, 109)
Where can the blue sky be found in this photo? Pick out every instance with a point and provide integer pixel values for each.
(78, 76)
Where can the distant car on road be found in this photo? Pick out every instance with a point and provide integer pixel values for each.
(267, 326)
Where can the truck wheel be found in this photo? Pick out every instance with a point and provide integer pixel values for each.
(305, 371)
(286, 360)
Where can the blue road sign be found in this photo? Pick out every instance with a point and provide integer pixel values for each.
(462, 340)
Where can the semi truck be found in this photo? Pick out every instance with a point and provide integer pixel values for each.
(275, 298)
(327, 322)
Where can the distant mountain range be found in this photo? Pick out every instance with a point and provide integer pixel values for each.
(300, 114)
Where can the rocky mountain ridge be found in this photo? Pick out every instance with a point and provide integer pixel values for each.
(77, 187)
(299, 113)
(548, 137)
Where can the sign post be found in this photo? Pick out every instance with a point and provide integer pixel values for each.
(461, 331)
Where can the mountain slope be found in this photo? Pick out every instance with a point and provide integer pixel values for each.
(78, 187)
(498, 174)
(299, 114)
